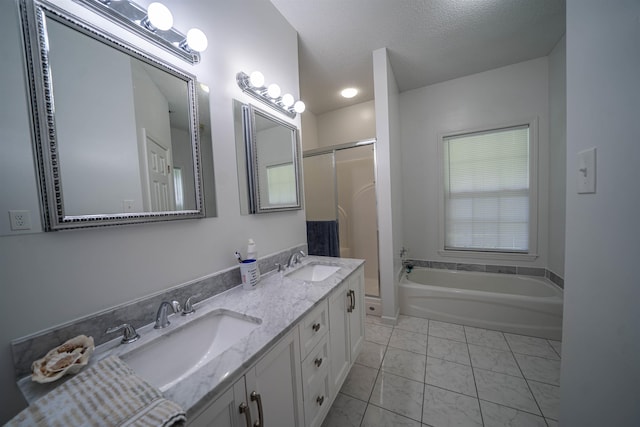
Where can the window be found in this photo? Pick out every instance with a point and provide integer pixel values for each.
(487, 195)
(177, 185)
(281, 183)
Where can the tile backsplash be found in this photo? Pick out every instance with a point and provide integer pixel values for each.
(137, 313)
(488, 268)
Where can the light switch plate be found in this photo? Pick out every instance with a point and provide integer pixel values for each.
(587, 171)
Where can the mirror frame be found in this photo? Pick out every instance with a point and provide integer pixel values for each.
(33, 15)
(249, 113)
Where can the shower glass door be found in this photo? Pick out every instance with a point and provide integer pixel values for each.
(339, 187)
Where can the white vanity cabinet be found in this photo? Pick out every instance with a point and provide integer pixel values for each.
(296, 382)
(346, 323)
(271, 391)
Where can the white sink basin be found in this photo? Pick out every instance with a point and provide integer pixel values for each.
(313, 272)
(175, 355)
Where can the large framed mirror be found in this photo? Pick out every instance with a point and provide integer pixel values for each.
(116, 130)
(268, 161)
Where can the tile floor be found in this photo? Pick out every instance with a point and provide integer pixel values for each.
(428, 373)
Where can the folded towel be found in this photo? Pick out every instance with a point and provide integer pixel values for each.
(108, 394)
(323, 238)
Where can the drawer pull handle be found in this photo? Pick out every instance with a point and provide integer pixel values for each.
(320, 400)
(351, 296)
(318, 362)
(316, 327)
(244, 409)
(260, 421)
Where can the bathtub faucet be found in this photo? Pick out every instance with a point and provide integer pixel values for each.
(408, 266)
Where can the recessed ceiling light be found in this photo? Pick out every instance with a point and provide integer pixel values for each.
(349, 92)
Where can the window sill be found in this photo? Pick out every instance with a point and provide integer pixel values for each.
(488, 255)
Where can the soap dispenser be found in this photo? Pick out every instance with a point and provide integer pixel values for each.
(252, 253)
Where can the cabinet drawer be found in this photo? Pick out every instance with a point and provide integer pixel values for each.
(316, 364)
(312, 328)
(317, 400)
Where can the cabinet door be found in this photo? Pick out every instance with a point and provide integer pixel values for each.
(339, 337)
(225, 411)
(274, 385)
(357, 314)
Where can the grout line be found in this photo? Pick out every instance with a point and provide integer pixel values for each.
(527, 383)
(473, 374)
(424, 378)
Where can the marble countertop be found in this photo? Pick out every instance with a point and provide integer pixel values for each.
(278, 301)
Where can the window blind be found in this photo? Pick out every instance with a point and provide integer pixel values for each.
(281, 183)
(487, 190)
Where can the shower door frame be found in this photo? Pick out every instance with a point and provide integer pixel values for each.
(340, 147)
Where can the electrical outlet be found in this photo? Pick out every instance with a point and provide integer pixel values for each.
(20, 220)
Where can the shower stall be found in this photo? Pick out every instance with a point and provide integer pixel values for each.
(340, 204)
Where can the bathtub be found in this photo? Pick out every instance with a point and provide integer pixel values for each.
(505, 302)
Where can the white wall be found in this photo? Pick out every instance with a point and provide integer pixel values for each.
(601, 331)
(513, 93)
(349, 124)
(557, 155)
(389, 181)
(309, 131)
(51, 278)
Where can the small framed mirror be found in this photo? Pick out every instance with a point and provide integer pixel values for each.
(116, 130)
(272, 158)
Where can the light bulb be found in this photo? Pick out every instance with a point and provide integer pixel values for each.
(287, 100)
(256, 79)
(160, 16)
(349, 92)
(197, 40)
(204, 87)
(299, 107)
(273, 91)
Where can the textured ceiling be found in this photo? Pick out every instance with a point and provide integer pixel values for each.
(428, 41)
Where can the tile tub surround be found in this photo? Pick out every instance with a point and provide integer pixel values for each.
(490, 268)
(278, 301)
(137, 313)
(459, 375)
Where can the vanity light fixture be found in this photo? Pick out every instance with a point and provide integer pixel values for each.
(273, 91)
(158, 17)
(196, 40)
(254, 85)
(154, 24)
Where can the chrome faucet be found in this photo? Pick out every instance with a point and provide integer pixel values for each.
(295, 258)
(187, 308)
(129, 333)
(161, 316)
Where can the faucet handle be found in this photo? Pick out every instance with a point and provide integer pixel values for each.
(129, 333)
(188, 305)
